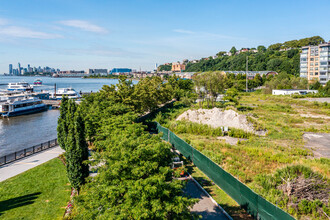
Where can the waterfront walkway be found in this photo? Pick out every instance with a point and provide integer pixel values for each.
(12, 169)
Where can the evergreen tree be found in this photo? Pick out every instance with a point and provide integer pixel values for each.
(62, 126)
(76, 148)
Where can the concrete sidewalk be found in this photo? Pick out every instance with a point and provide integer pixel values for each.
(12, 169)
(205, 207)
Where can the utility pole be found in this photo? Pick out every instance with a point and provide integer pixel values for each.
(246, 73)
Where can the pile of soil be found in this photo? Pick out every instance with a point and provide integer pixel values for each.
(217, 118)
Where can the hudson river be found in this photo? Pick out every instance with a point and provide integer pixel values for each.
(27, 130)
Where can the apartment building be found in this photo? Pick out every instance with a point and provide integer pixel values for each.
(178, 67)
(315, 62)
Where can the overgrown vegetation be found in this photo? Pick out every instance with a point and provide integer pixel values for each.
(282, 146)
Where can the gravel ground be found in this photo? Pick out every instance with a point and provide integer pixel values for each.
(319, 143)
(317, 99)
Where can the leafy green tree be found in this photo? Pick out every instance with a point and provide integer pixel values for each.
(276, 46)
(62, 125)
(316, 85)
(232, 95)
(261, 49)
(233, 50)
(221, 53)
(326, 89)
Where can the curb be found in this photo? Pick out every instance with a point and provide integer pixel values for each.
(208, 195)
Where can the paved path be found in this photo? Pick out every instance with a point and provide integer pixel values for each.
(205, 207)
(12, 169)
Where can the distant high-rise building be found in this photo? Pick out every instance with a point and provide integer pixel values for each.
(19, 69)
(315, 62)
(10, 69)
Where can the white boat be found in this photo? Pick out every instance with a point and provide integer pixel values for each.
(21, 106)
(69, 92)
(20, 86)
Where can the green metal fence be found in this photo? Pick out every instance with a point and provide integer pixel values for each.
(243, 195)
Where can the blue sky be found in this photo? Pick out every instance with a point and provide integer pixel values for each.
(72, 34)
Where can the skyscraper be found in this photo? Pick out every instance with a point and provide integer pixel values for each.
(10, 69)
(19, 69)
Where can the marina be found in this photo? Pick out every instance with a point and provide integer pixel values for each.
(20, 132)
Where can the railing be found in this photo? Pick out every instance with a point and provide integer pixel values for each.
(27, 152)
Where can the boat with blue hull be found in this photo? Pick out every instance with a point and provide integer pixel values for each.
(21, 106)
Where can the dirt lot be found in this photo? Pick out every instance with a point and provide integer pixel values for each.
(319, 143)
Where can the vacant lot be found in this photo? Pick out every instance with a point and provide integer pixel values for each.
(39, 193)
(286, 121)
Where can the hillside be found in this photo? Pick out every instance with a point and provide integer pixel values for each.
(279, 57)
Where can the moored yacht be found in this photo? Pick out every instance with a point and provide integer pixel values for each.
(37, 82)
(69, 92)
(20, 86)
(21, 106)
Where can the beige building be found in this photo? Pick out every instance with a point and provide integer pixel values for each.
(178, 67)
(315, 63)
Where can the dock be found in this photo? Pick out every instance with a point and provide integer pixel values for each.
(52, 102)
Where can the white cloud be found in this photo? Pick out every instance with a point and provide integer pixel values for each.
(3, 21)
(21, 32)
(84, 25)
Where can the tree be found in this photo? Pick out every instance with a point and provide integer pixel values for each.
(221, 53)
(76, 150)
(62, 125)
(316, 85)
(233, 51)
(275, 46)
(261, 49)
(326, 89)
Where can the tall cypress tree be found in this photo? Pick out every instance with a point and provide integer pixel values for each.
(77, 150)
(62, 125)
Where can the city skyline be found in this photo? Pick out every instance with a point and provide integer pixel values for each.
(137, 34)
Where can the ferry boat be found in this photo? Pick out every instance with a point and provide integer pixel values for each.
(37, 82)
(20, 86)
(69, 92)
(21, 106)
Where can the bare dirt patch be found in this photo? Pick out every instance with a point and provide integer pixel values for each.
(319, 143)
(217, 118)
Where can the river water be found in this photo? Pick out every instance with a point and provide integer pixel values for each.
(25, 131)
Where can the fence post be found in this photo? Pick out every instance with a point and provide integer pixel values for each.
(25, 152)
(15, 155)
(33, 149)
(55, 141)
(5, 159)
(48, 144)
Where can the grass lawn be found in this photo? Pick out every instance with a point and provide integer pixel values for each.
(39, 193)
